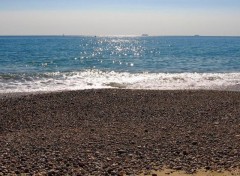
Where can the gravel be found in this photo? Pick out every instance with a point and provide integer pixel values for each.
(116, 132)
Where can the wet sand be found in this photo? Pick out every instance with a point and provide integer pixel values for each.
(119, 132)
(200, 172)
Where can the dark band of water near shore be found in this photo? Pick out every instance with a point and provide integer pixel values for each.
(116, 132)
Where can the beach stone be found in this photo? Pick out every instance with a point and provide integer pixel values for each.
(26, 170)
(216, 123)
(108, 159)
(185, 152)
(17, 172)
(120, 151)
(207, 167)
(194, 143)
(52, 172)
(177, 168)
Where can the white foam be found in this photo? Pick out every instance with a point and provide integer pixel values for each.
(95, 79)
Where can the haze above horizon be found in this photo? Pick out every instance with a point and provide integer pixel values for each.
(120, 17)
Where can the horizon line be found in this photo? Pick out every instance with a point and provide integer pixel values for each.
(85, 35)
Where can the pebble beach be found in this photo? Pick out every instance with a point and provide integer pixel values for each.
(119, 132)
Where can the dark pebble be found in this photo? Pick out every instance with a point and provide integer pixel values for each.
(194, 143)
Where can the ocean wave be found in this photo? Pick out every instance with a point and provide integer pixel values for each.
(96, 79)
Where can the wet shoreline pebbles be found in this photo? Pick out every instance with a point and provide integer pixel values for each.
(117, 132)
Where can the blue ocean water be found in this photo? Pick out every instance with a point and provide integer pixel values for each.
(48, 63)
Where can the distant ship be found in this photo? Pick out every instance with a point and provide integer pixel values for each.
(144, 35)
(196, 35)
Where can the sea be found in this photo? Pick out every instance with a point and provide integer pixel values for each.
(58, 63)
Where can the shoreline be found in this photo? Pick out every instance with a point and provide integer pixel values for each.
(119, 131)
(235, 88)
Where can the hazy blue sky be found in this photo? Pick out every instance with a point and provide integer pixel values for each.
(119, 17)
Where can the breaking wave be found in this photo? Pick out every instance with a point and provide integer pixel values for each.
(96, 79)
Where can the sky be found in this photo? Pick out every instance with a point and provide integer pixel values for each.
(120, 17)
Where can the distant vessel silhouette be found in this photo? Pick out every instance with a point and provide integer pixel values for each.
(144, 35)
